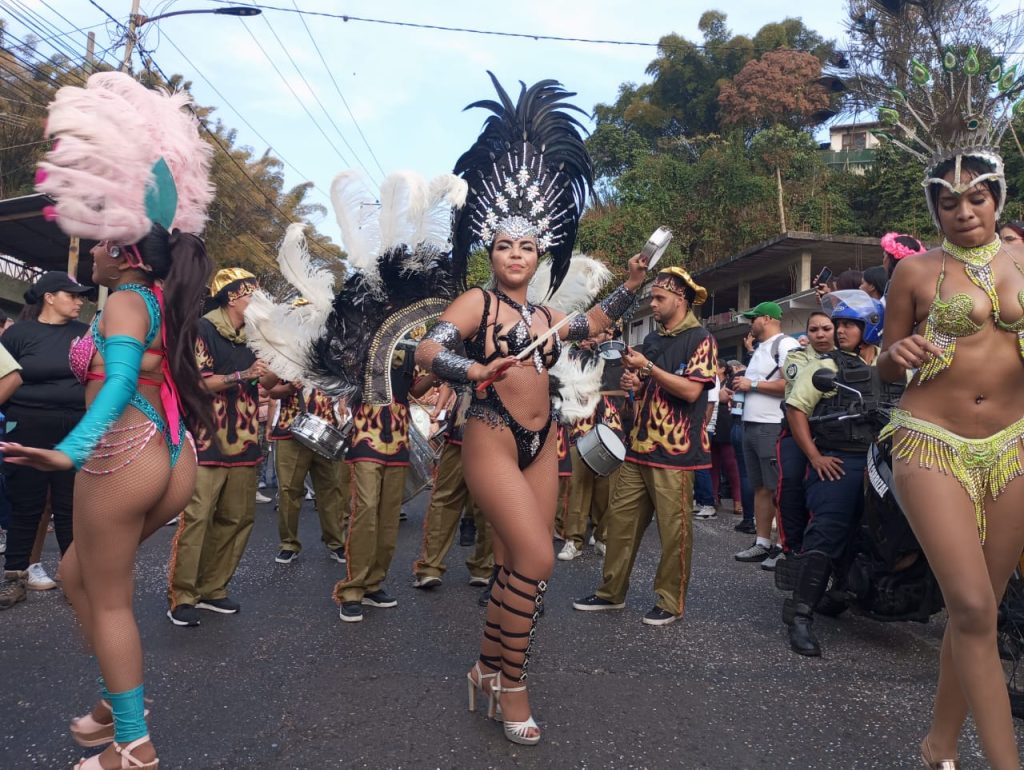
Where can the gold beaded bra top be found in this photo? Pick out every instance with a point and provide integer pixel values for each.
(950, 319)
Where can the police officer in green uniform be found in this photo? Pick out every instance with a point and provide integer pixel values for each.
(836, 451)
(792, 462)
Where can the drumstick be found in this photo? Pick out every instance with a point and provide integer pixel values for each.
(533, 346)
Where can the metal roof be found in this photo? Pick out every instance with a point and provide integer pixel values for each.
(26, 235)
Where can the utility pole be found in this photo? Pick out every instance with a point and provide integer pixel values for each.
(129, 45)
(90, 51)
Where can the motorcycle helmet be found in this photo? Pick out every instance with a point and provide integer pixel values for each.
(856, 305)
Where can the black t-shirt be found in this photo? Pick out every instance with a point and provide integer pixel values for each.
(42, 351)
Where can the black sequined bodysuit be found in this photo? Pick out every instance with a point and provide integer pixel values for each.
(488, 406)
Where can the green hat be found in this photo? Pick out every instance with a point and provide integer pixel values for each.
(770, 309)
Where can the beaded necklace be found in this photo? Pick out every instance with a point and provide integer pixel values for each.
(526, 311)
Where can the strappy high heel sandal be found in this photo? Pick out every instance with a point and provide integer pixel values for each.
(936, 764)
(89, 732)
(477, 686)
(128, 760)
(517, 732)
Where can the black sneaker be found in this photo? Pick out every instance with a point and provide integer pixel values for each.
(485, 597)
(286, 557)
(225, 606)
(659, 617)
(746, 527)
(467, 532)
(184, 615)
(338, 554)
(351, 612)
(595, 603)
(380, 599)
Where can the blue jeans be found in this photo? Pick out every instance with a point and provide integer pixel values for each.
(747, 492)
(703, 493)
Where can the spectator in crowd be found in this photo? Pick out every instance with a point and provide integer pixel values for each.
(763, 386)
(1012, 236)
(10, 381)
(6, 322)
(745, 502)
(897, 246)
(723, 457)
(874, 282)
(41, 412)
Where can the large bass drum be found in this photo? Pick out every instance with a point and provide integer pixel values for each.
(319, 435)
(423, 455)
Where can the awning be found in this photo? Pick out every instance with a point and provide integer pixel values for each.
(27, 236)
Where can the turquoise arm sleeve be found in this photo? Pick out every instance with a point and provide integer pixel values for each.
(122, 357)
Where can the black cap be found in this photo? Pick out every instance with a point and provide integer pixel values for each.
(52, 282)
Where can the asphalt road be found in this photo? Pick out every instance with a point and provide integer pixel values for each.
(285, 684)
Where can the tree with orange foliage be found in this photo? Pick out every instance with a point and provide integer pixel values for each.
(779, 88)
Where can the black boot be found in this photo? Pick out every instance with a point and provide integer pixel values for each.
(815, 568)
(467, 532)
(485, 595)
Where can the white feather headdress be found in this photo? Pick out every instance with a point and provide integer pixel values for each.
(124, 157)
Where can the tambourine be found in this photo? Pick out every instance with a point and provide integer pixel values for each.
(656, 245)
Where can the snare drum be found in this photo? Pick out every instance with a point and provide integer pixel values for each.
(320, 436)
(423, 456)
(611, 350)
(601, 450)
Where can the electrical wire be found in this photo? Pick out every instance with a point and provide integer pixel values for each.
(315, 97)
(289, 86)
(338, 89)
(241, 117)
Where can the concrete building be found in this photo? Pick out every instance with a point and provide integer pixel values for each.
(851, 147)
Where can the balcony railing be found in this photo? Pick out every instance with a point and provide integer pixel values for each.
(848, 157)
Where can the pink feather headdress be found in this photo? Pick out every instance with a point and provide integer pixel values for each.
(105, 171)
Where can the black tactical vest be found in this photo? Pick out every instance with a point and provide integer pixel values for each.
(857, 434)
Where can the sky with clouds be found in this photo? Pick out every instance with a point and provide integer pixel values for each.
(404, 87)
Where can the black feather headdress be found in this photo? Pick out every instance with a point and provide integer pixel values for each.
(528, 173)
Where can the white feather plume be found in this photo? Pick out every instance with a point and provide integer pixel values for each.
(356, 210)
(403, 199)
(584, 281)
(434, 227)
(314, 284)
(579, 389)
(282, 335)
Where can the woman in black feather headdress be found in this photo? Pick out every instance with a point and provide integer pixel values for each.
(528, 175)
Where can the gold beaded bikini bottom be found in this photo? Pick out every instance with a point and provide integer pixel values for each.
(983, 466)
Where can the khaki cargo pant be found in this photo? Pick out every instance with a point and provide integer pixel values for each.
(212, 533)
(376, 494)
(294, 461)
(640, 494)
(441, 521)
(588, 499)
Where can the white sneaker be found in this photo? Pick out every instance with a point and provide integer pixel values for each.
(3, 541)
(309, 495)
(592, 540)
(172, 523)
(696, 507)
(600, 548)
(261, 498)
(38, 580)
(569, 551)
(706, 512)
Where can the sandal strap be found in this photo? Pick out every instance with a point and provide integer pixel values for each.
(125, 752)
(521, 728)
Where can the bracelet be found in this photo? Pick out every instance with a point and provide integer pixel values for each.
(648, 368)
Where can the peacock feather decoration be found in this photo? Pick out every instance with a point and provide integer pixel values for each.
(945, 87)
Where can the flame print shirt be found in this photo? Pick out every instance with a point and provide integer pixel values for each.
(318, 403)
(668, 432)
(606, 411)
(236, 409)
(380, 433)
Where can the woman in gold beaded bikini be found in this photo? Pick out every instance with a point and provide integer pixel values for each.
(954, 312)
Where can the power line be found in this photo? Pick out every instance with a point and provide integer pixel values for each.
(338, 89)
(106, 13)
(76, 29)
(241, 117)
(289, 86)
(315, 97)
(42, 28)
